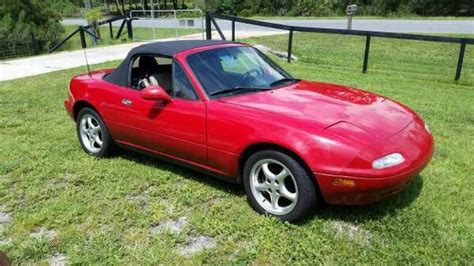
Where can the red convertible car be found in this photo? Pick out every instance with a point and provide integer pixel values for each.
(225, 108)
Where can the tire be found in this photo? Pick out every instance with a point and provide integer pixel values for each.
(93, 134)
(272, 174)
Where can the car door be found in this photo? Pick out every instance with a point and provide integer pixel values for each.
(176, 129)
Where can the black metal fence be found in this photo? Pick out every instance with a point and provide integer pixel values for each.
(211, 16)
(17, 48)
(82, 30)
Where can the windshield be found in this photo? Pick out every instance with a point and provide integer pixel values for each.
(237, 69)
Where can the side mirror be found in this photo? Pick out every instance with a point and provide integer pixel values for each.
(155, 93)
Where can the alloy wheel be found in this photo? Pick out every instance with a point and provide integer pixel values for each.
(273, 186)
(91, 133)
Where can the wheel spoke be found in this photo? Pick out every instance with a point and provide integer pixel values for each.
(282, 175)
(92, 142)
(266, 171)
(274, 197)
(98, 141)
(96, 129)
(262, 186)
(287, 194)
(90, 125)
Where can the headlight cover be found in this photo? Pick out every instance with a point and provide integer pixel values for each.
(388, 161)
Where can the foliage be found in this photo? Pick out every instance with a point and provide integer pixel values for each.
(66, 8)
(20, 19)
(337, 7)
(94, 14)
(109, 211)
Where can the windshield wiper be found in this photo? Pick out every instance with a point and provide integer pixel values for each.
(283, 80)
(238, 88)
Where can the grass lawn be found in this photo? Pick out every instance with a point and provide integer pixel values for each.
(131, 209)
(140, 34)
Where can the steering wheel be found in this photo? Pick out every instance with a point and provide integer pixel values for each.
(249, 74)
(143, 83)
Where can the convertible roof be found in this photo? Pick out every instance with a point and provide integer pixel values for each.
(120, 75)
(172, 47)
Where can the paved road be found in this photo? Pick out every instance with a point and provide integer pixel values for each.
(407, 26)
(30, 66)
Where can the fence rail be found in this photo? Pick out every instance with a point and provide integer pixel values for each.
(211, 16)
(126, 20)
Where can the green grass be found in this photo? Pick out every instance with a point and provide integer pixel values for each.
(102, 209)
(140, 34)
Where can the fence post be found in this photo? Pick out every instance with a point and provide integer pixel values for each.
(233, 30)
(120, 29)
(129, 28)
(83, 38)
(111, 31)
(208, 26)
(366, 55)
(290, 44)
(460, 61)
(221, 34)
(34, 43)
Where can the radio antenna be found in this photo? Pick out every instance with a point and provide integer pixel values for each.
(83, 44)
(87, 62)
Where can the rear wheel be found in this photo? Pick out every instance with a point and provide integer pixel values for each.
(278, 185)
(93, 134)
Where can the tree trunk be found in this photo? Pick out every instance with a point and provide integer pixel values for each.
(95, 26)
(117, 6)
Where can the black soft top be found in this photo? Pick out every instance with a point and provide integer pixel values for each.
(120, 75)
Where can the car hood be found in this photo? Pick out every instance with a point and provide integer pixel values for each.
(325, 105)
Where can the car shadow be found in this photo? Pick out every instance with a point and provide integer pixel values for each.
(346, 213)
(369, 212)
(234, 189)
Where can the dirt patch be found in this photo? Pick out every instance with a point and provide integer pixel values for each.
(196, 244)
(211, 202)
(42, 232)
(61, 180)
(58, 260)
(136, 198)
(5, 242)
(5, 218)
(172, 226)
(352, 232)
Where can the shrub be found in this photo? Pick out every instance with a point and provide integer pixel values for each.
(22, 18)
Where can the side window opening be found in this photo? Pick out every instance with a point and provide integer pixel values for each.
(182, 87)
(149, 70)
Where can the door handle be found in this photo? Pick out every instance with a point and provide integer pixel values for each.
(126, 102)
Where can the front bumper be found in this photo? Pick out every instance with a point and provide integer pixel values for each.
(360, 186)
(366, 189)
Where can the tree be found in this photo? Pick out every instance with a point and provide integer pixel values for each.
(21, 18)
(93, 16)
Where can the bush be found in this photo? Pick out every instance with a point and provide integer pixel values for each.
(20, 19)
(66, 8)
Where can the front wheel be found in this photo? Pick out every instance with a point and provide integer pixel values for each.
(278, 185)
(93, 134)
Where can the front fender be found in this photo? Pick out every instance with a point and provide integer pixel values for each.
(232, 129)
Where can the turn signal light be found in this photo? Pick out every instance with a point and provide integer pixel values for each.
(343, 182)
